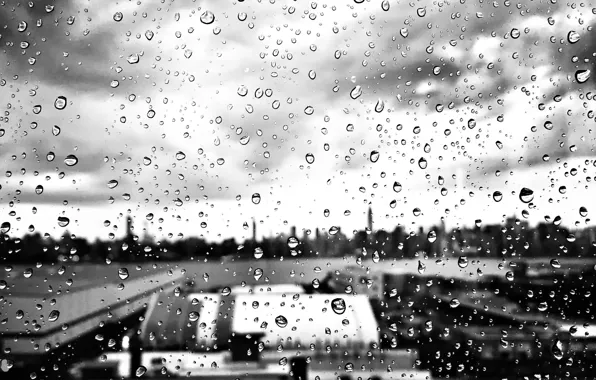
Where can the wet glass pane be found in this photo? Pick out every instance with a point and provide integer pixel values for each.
(255, 189)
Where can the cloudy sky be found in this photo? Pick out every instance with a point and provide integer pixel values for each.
(178, 112)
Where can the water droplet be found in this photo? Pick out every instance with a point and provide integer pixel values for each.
(281, 321)
(63, 221)
(293, 242)
(581, 76)
(133, 59)
(180, 156)
(421, 267)
(356, 92)
(557, 349)
(555, 263)
(112, 184)
(375, 257)
(207, 17)
(118, 16)
(258, 253)
(149, 35)
(497, 196)
(22, 26)
(193, 316)
(397, 187)
(526, 195)
(123, 273)
(380, 106)
(573, 36)
(310, 158)
(38, 189)
(140, 371)
(385, 5)
(226, 291)
(421, 12)
(53, 316)
(257, 274)
(454, 303)
(583, 211)
(509, 276)
(499, 144)
(50, 156)
(462, 262)
(471, 123)
(71, 160)
(55, 130)
(432, 236)
(338, 305)
(60, 103)
(5, 227)
(422, 163)
(374, 156)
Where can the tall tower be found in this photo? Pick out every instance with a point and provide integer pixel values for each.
(370, 219)
(129, 228)
(254, 230)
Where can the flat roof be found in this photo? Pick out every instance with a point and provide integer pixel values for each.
(308, 320)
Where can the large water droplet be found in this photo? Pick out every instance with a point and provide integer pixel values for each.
(454, 303)
(60, 103)
(526, 195)
(123, 273)
(53, 316)
(421, 267)
(385, 5)
(310, 158)
(63, 221)
(557, 349)
(112, 184)
(462, 262)
(356, 92)
(338, 305)
(5, 227)
(573, 36)
(256, 198)
(555, 263)
(581, 76)
(497, 196)
(257, 274)
(207, 17)
(374, 156)
(281, 321)
(140, 371)
(71, 160)
(193, 316)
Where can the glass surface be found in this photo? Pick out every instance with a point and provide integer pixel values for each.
(255, 189)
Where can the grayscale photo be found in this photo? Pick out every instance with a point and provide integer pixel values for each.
(297, 190)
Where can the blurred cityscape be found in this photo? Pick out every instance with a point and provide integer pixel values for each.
(514, 238)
